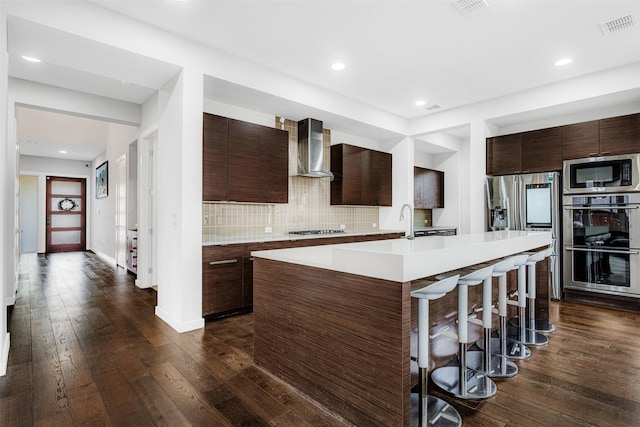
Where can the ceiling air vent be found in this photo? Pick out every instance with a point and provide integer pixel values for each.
(432, 107)
(469, 7)
(619, 24)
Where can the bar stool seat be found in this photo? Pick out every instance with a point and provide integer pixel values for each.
(531, 322)
(458, 379)
(433, 410)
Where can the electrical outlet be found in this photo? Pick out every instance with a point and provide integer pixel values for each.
(374, 225)
(342, 227)
(268, 229)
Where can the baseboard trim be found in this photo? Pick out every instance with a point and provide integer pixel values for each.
(105, 257)
(179, 326)
(4, 357)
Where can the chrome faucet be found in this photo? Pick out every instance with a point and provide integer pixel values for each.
(409, 236)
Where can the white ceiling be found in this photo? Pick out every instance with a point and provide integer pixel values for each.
(396, 51)
(399, 51)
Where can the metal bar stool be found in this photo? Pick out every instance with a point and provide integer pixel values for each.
(433, 411)
(531, 322)
(494, 360)
(522, 334)
(461, 381)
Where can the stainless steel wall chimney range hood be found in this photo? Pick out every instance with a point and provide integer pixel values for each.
(311, 150)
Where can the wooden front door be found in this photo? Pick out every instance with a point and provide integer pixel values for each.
(66, 214)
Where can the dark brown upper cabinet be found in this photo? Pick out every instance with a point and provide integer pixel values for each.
(580, 140)
(428, 188)
(542, 150)
(361, 176)
(274, 165)
(215, 153)
(244, 162)
(620, 135)
(504, 154)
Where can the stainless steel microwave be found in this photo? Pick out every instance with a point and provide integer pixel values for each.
(609, 174)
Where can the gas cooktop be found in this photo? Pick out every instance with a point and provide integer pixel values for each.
(307, 232)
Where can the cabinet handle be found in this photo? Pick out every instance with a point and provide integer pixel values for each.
(251, 259)
(226, 261)
(593, 154)
(606, 153)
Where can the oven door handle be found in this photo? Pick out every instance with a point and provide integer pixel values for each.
(607, 251)
(580, 208)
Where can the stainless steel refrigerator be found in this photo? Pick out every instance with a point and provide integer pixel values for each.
(528, 202)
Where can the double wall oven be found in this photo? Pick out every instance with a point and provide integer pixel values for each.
(601, 221)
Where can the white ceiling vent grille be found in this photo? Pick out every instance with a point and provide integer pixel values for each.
(619, 24)
(469, 7)
(432, 107)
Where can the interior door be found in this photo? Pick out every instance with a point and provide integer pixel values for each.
(66, 214)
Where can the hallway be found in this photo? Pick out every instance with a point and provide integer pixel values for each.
(87, 349)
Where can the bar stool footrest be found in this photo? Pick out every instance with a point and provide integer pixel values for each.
(439, 412)
(541, 325)
(515, 350)
(500, 366)
(530, 337)
(479, 385)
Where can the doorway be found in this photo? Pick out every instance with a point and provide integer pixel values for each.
(65, 214)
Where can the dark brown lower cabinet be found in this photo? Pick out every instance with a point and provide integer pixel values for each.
(224, 285)
(227, 271)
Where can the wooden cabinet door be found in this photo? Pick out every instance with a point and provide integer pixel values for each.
(376, 178)
(580, 140)
(244, 161)
(542, 150)
(362, 177)
(620, 135)
(504, 154)
(221, 284)
(215, 153)
(346, 165)
(274, 164)
(428, 188)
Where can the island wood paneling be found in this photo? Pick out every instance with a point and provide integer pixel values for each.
(343, 340)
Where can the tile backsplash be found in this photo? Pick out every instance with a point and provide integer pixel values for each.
(308, 208)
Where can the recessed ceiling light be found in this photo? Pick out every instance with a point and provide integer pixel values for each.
(420, 103)
(62, 152)
(338, 66)
(31, 59)
(564, 61)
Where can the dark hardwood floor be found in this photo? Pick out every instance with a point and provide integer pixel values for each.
(87, 349)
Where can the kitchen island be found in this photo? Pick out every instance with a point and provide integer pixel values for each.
(334, 321)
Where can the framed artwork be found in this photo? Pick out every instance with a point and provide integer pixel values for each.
(102, 180)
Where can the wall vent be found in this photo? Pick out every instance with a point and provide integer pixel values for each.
(469, 7)
(432, 107)
(616, 25)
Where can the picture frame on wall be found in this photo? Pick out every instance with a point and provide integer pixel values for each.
(102, 180)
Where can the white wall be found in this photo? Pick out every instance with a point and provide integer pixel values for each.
(179, 198)
(28, 213)
(6, 178)
(448, 160)
(103, 210)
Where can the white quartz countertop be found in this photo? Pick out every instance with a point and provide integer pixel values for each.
(403, 260)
